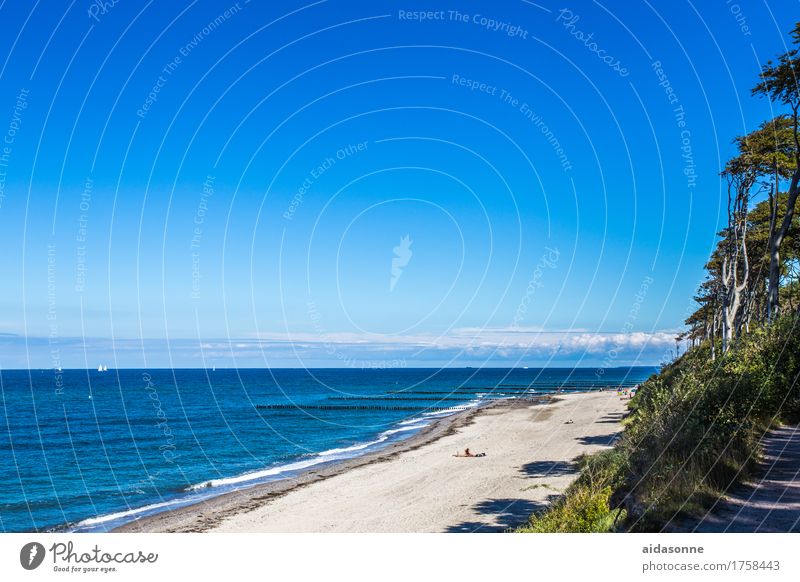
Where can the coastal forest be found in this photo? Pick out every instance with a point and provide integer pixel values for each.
(695, 429)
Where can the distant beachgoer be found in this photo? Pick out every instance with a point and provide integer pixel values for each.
(570, 421)
(468, 453)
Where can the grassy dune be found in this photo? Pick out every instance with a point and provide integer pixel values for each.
(692, 433)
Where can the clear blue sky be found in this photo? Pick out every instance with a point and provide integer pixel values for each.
(183, 184)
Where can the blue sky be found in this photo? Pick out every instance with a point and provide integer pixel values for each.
(221, 183)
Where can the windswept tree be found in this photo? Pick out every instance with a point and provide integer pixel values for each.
(767, 155)
(741, 176)
(756, 264)
(781, 84)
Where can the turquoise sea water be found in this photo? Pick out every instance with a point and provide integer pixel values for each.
(87, 450)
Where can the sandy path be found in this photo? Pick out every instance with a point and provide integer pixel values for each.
(772, 502)
(529, 452)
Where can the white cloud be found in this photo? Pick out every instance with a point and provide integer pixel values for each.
(462, 346)
(483, 338)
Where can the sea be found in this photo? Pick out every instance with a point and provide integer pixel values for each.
(88, 450)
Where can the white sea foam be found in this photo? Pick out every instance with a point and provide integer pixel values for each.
(262, 474)
(323, 457)
(353, 448)
(152, 508)
(411, 421)
(405, 429)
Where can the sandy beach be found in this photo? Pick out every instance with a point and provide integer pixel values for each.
(418, 485)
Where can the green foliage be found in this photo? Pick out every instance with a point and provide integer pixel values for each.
(585, 506)
(696, 426)
(779, 80)
(582, 511)
(692, 433)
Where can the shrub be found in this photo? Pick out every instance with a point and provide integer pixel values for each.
(581, 511)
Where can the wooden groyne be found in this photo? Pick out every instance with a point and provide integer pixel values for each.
(359, 407)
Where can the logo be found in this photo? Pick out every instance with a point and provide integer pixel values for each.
(402, 254)
(31, 555)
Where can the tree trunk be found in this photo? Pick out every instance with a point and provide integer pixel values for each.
(775, 248)
(773, 221)
(734, 283)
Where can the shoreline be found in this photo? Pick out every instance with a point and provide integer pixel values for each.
(231, 502)
(238, 510)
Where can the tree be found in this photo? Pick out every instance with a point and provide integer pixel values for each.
(780, 83)
(741, 174)
(755, 267)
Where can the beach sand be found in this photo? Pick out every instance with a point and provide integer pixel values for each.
(418, 486)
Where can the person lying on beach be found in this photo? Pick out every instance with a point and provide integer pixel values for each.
(570, 421)
(467, 453)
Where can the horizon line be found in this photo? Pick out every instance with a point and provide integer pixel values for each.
(338, 368)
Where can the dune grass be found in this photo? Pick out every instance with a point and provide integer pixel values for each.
(693, 432)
